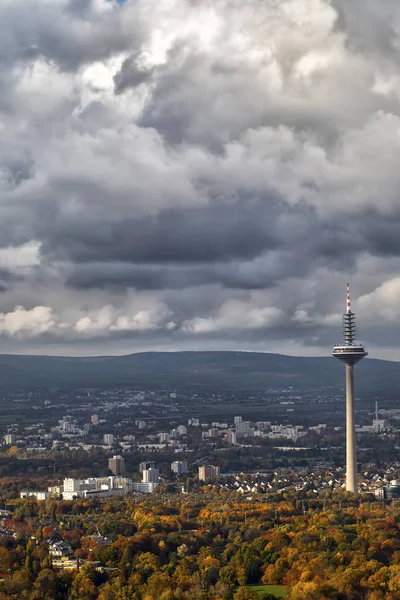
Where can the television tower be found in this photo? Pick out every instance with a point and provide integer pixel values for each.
(350, 352)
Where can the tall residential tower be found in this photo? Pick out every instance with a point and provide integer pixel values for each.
(350, 352)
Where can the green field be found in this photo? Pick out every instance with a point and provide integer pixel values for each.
(280, 591)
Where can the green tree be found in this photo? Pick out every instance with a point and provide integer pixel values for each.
(228, 576)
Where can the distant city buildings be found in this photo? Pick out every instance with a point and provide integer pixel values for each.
(178, 431)
(99, 487)
(322, 476)
(158, 434)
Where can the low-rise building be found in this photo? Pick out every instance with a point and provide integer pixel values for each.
(34, 494)
(389, 492)
(144, 488)
(60, 548)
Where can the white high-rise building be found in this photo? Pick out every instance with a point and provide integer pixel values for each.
(71, 484)
(378, 425)
(108, 439)
(94, 419)
(231, 437)
(150, 476)
(179, 467)
(243, 428)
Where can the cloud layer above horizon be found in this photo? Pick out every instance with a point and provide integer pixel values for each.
(192, 175)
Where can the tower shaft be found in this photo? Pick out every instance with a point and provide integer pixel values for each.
(351, 456)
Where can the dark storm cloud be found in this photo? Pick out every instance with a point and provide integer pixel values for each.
(248, 245)
(230, 245)
(219, 232)
(8, 279)
(381, 233)
(238, 275)
(178, 171)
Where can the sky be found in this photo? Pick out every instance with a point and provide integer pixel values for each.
(198, 174)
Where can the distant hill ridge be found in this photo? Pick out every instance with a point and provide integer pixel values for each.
(214, 370)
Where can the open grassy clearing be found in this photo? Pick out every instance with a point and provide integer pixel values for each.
(280, 591)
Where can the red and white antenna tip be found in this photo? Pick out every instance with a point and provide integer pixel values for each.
(348, 309)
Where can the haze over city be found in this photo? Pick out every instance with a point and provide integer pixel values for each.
(196, 175)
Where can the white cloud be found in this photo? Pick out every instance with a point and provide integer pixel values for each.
(382, 303)
(144, 320)
(19, 258)
(124, 319)
(302, 317)
(24, 323)
(233, 315)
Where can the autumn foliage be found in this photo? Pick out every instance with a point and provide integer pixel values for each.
(202, 546)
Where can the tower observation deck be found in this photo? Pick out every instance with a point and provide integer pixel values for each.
(350, 352)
